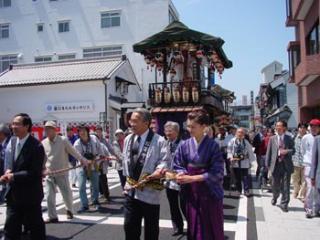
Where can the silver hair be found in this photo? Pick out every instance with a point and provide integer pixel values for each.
(144, 113)
(5, 129)
(173, 125)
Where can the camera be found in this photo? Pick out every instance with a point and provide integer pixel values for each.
(88, 156)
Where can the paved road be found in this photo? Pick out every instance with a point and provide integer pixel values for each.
(108, 222)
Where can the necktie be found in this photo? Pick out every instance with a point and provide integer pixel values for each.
(18, 150)
(135, 147)
(281, 146)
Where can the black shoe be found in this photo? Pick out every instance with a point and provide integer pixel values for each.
(51, 220)
(274, 201)
(69, 215)
(177, 232)
(284, 208)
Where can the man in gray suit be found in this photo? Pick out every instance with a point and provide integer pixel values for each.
(279, 158)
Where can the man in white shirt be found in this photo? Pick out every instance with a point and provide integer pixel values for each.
(57, 149)
(306, 149)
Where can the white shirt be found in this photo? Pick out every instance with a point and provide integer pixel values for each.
(306, 149)
(143, 139)
(21, 142)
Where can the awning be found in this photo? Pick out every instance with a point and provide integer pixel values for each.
(174, 109)
(60, 72)
(282, 113)
(126, 105)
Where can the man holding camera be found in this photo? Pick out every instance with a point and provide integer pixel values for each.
(241, 156)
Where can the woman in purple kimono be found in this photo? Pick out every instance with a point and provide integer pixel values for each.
(199, 164)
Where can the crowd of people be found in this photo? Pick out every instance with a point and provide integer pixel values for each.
(194, 172)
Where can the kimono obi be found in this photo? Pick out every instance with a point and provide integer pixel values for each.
(197, 168)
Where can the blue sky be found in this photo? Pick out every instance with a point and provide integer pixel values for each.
(254, 32)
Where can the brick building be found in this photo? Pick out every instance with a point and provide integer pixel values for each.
(304, 55)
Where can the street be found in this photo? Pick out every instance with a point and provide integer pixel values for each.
(245, 218)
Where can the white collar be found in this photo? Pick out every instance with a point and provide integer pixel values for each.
(143, 136)
(23, 140)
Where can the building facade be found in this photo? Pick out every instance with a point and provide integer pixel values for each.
(277, 98)
(304, 55)
(57, 30)
(96, 91)
(242, 115)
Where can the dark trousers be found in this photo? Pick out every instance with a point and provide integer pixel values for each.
(258, 165)
(103, 185)
(241, 175)
(281, 183)
(122, 178)
(136, 210)
(175, 209)
(28, 214)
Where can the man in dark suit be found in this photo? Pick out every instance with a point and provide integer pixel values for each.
(279, 158)
(24, 178)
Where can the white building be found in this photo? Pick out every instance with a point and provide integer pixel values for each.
(70, 92)
(54, 30)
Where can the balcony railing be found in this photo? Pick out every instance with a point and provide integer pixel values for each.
(182, 93)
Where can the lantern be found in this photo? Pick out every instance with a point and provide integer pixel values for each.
(167, 95)
(185, 94)
(195, 94)
(199, 54)
(159, 57)
(158, 96)
(176, 94)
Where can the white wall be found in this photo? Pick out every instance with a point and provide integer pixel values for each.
(292, 102)
(270, 70)
(139, 19)
(32, 100)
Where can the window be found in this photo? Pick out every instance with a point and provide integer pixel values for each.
(43, 59)
(115, 51)
(64, 26)
(110, 19)
(40, 27)
(294, 58)
(4, 31)
(5, 3)
(6, 61)
(312, 40)
(66, 56)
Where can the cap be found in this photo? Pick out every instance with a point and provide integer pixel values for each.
(315, 122)
(50, 124)
(118, 131)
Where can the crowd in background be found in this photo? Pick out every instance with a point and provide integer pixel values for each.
(212, 156)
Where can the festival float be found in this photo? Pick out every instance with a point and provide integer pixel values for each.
(186, 64)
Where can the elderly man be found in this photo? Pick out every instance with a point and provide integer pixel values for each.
(145, 154)
(279, 160)
(310, 204)
(171, 130)
(5, 136)
(57, 149)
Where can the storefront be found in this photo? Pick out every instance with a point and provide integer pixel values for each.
(69, 93)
